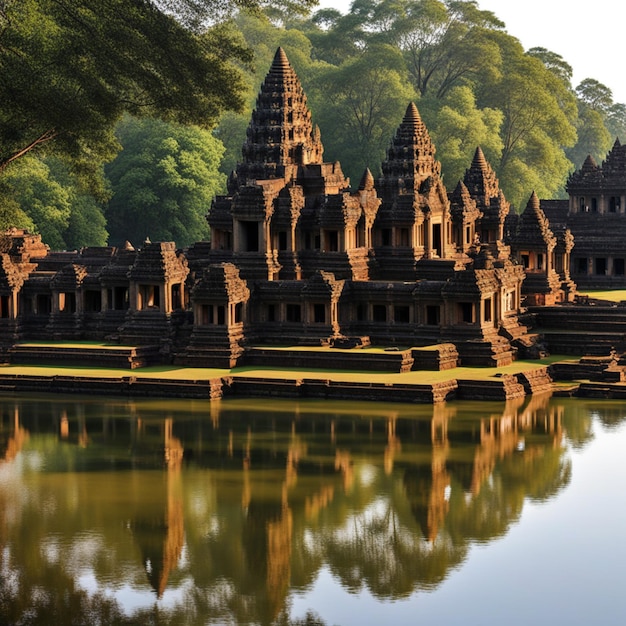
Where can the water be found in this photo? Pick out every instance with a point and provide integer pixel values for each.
(274, 512)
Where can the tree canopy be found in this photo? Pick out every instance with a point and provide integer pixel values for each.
(70, 70)
(162, 182)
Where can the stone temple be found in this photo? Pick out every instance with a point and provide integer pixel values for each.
(297, 257)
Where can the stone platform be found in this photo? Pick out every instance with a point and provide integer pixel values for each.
(87, 354)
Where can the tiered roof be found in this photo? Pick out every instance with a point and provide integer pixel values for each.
(280, 133)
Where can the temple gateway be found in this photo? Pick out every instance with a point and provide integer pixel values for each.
(298, 257)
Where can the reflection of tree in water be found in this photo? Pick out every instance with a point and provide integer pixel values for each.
(389, 500)
(470, 487)
(378, 550)
(611, 415)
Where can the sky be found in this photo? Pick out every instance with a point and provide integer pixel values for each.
(588, 35)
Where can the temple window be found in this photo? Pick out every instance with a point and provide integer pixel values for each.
(432, 315)
(539, 261)
(5, 307)
(93, 300)
(44, 304)
(120, 299)
(614, 204)
(270, 313)
(468, 235)
(594, 205)
(558, 263)
(67, 302)
(618, 267)
(177, 301)
(509, 301)
(466, 312)
(600, 266)
(148, 297)
(581, 265)
(386, 236)
(361, 313)
(437, 239)
(206, 314)
(488, 310)
(525, 260)
(294, 313)
(238, 316)
(282, 240)
(582, 207)
(401, 314)
(332, 240)
(360, 237)
(404, 236)
(379, 313)
(319, 313)
(249, 236)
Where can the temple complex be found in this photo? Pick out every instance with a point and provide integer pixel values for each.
(299, 257)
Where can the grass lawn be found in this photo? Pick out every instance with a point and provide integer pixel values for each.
(171, 372)
(617, 295)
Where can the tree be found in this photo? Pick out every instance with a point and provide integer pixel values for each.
(595, 95)
(593, 137)
(457, 127)
(358, 107)
(539, 115)
(447, 44)
(69, 69)
(41, 197)
(554, 62)
(162, 182)
(616, 121)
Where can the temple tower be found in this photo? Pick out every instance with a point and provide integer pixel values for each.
(414, 219)
(484, 188)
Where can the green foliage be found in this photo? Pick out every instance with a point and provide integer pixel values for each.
(70, 68)
(47, 199)
(473, 83)
(162, 182)
(616, 121)
(359, 105)
(593, 136)
(539, 115)
(457, 127)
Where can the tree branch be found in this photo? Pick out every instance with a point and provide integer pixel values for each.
(49, 135)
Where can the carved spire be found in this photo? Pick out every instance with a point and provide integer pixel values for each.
(367, 180)
(280, 133)
(481, 180)
(410, 157)
(483, 185)
(534, 226)
(462, 205)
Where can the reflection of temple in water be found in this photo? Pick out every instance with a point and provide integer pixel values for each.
(491, 438)
(304, 488)
(12, 435)
(160, 530)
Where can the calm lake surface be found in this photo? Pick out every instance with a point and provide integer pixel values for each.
(264, 512)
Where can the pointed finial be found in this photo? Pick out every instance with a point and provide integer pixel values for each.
(412, 117)
(280, 60)
(367, 181)
(479, 159)
(533, 202)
